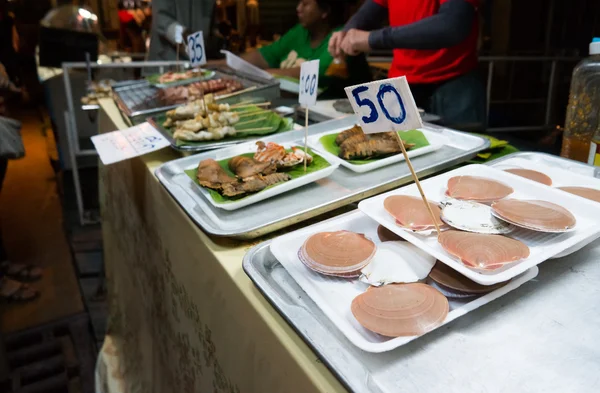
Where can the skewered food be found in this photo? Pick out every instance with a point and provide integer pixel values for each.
(172, 76)
(478, 189)
(531, 175)
(584, 192)
(193, 91)
(355, 144)
(411, 213)
(96, 91)
(540, 216)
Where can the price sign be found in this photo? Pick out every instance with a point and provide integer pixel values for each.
(179, 34)
(195, 49)
(135, 141)
(309, 83)
(384, 105)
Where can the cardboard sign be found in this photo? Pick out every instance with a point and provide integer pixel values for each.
(309, 83)
(384, 105)
(195, 49)
(135, 141)
(179, 34)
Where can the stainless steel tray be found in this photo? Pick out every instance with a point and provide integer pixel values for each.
(140, 100)
(555, 161)
(515, 334)
(341, 188)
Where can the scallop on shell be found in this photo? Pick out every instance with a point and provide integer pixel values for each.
(411, 213)
(584, 192)
(531, 175)
(478, 189)
(482, 252)
(535, 215)
(341, 253)
(472, 217)
(397, 262)
(449, 278)
(400, 309)
(385, 235)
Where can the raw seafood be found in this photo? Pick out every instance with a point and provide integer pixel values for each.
(253, 184)
(584, 192)
(450, 278)
(531, 175)
(341, 253)
(400, 309)
(246, 166)
(535, 215)
(385, 235)
(472, 217)
(475, 188)
(342, 136)
(272, 152)
(211, 175)
(411, 213)
(481, 251)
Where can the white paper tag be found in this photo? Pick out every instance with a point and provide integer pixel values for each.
(179, 34)
(309, 83)
(384, 105)
(124, 144)
(239, 64)
(195, 49)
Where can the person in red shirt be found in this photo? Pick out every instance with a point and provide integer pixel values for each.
(435, 46)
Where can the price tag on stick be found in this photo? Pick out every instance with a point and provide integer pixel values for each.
(388, 105)
(309, 86)
(195, 49)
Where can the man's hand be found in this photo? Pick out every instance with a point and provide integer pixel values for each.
(335, 43)
(355, 42)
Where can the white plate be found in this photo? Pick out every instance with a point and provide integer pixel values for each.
(542, 246)
(334, 295)
(435, 139)
(560, 178)
(265, 194)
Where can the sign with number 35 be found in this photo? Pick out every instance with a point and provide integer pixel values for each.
(195, 49)
(384, 105)
(309, 83)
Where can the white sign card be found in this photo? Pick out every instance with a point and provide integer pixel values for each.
(309, 83)
(124, 144)
(179, 34)
(384, 105)
(195, 49)
(237, 63)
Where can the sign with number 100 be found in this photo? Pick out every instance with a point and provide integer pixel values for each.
(195, 49)
(384, 105)
(309, 83)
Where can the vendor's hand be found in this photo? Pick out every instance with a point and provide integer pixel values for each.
(356, 42)
(335, 43)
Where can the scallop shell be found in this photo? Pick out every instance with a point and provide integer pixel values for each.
(400, 309)
(531, 175)
(482, 252)
(397, 262)
(411, 213)
(340, 253)
(385, 235)
(535, 215)
(478, 189)
(450, 293)
(444, 275)
(473, 217)
(584, 192)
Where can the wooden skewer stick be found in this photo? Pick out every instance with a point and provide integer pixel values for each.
(252, 121)
(414, 175)
(252, 113)
(235, 93)
(250, 105)
(305, 136)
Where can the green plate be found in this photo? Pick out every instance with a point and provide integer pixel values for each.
(411, 136)
(296, 172)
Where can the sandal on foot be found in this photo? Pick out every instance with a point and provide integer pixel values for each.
(21, 271)
(12, 291)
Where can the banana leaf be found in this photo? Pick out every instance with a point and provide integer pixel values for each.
(294, 172)
(411, 136)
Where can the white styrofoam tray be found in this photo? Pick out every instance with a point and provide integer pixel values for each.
(334, 295)
(186, 182)
(568, 177)
(435, 139)
(542, 246)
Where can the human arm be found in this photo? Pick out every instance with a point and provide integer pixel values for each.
(291, 72)
(163, 12)
(369, 16)
(256, 58)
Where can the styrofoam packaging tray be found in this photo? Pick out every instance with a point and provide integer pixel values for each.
(542, 246)
(334, 295)
(435, 139)
(575, 176)
(185, 182)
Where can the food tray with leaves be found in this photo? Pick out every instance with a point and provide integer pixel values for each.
(339, 189)
(542, 246)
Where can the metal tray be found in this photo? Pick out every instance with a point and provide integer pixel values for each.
(140, 100)
(472, 354)
(555, 161)
(341, 188)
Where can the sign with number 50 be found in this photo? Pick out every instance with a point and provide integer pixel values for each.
(385, 105)
(195, 49)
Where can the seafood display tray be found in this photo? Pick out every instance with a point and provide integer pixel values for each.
(341, 188)
(542, 246)
(334, 295)
(209, 75)
(140, 100)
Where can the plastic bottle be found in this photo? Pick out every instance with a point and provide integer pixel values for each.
(583, 110)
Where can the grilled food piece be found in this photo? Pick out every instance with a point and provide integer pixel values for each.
(253, 184)
(211, 175)
(371, 148)
(246, 167)
(342, 136)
